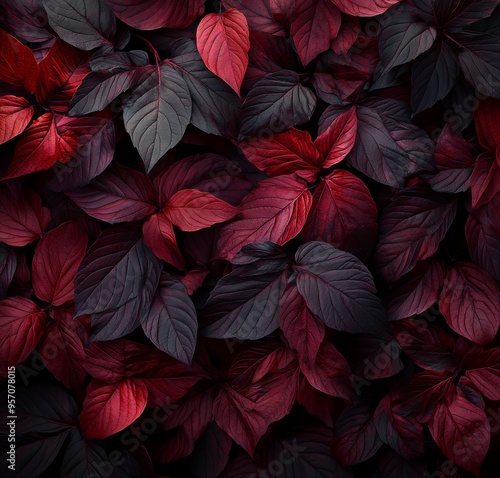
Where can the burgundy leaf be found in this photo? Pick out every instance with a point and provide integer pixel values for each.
(22, 324)
(411, 228)
(430, 347)
(355, 435)
(275, 211)
(336, 142)
(314, 25)
(470, 303)
(22, 216)
(416, 291)
(343, 214)
(160, 238)
(364, 8)
(57, 258)
(15, 114)
(17, 63)
(302, 330)
(462, 432)
(484, 373)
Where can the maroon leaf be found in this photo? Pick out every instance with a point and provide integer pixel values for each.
(336, 142)
(462, 432)
(57, 258)
(484, 373)
(416, 291)
(22, 216)
(428, 346)
(302, 330)
(411, 228)
(485, 179)
(17, 63)
(108, 409)
(343, 214)
(314, 25)
(22, 324)
(364, 8)
(470, 303)
(223, 42)
(191, 210)
(15, 114)
(329, 372)
(487, 114)
(274, 211)
(403, 434)
(159, 236)
(355, 435)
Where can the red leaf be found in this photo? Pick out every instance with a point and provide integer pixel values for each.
(159, 236)
(17, 63)
(109, 408)
(336, 142)
(485, 179)
(57, 258)
(356, 438)
(40, 146)
(284, 153)
(223, 42)
(487, 115)
(422, 392)
(403, 434)
(364, 8)
(411, 228)
(470, 303)
(62, 353)
(430, 347)
(462, 432)
(246, 415)
(61, 73)
(191, 210)
(314, 25)
(15, 114)
(416, 291)
(120, 194)
(329, 372)
(275, 211)
(343, 214)
(153, 14)
(484, 372)
(22, 217)
(22, 324)
(302, 330)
